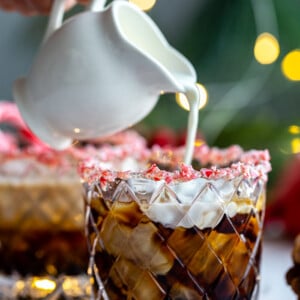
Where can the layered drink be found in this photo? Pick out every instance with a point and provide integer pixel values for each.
(41, 207)
(160, 229)
(41, 223)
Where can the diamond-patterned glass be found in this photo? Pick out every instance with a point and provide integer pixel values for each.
(192, 240)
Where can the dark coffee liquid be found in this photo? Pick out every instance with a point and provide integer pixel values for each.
(40, 252)
(138, 259)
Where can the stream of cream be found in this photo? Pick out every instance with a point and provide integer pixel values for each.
(193, 97)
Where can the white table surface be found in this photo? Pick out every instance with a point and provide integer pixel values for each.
(276, 260)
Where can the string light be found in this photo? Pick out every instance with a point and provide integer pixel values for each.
(144, 4)
(266, 48)
(290, 65)
(183, 102)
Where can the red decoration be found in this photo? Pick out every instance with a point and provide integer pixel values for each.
(284, 206)
(163, 137)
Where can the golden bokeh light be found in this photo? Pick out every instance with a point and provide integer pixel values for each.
(266, 49)
(43, 284)
(71, 285)
(295, 145)
(199, 142)
(20, 284)
(144, 4)
(290, 65)
(183, 102)
(294, 129)
(51, 269)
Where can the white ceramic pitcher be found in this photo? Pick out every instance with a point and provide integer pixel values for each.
(98, 72)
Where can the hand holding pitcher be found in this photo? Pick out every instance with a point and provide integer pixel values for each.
(34, 7)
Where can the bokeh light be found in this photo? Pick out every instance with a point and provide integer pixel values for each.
(44, 284)
(295, 145)
(77, 130)
(20, 284)
(294, 129)
(183, 102)
(291, 65)
(144, 4)
(199, 142)
(266, 48)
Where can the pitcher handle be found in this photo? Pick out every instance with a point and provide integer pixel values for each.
(55, 18)
(57, 14)
(96, 5)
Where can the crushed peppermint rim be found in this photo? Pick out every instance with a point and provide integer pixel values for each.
(253, 164)
(223, 163)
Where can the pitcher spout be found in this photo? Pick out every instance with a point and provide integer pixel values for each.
(170, 69)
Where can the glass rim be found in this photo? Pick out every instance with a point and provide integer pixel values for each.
(223, 163)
